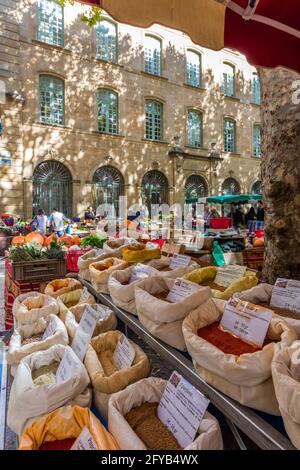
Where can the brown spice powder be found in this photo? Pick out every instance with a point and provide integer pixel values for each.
(282, 312)
(213, 285)
(162, 296)
(154, 434)
(32, 339)
(106, 358)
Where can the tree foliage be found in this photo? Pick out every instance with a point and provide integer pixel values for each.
(90, 19)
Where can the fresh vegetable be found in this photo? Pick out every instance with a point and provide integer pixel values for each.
(34, 237)
(18, 241)
(34, 251)
(94, 241)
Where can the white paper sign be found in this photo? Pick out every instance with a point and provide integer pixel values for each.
(181, 409)
(102, 311)
(124, 353)
(228, 274)
(181, 289)
(142, 271)
(247, 321)
(85, 441)
(85, 296)
(286, 294)
(85, 331)
(50, 330)
(180, 261)
(130, 241)
(66, 368)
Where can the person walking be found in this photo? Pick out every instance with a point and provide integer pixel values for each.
(250, 219)
(89, 215)
(260, 224)
(57, 220)
(41, 221)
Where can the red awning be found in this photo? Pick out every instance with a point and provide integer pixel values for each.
(266, 31)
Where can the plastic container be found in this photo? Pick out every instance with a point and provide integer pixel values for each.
(72, 260)
(220, 223)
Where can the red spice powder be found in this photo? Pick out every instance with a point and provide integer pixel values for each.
(64, 444)
(226, 342)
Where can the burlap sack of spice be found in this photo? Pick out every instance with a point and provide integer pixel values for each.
(286, 378)
(163, 266)
(114, 246)
(262, 294)
(28, 308)
(139, 253)
(16, 351)
(66, 423)
(87, 259)
(164, 319)
(104, 385)
(28, 401)
(62, 286)
(245, 378)
(72, 317)
(76, 298)
(208, 274)
(150, 390)
(101, 271)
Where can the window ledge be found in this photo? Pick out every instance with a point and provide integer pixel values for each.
(231, 98)
(158, 77)
(161, 142)
(46, 45)
(256, 157)
(196, 148)
(232, 154)
(51, 126)
(107, 134)
(193, 87)
(107, 62)
(258, 105)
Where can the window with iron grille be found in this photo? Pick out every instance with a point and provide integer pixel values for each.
(228, 85)
(193, 69)
(256, 93)
(50, 22)
(256, 141)
(108, 111)
(106, 41)
(229, 135)
(154, 120)
(195, 129)
(52, 100)
(152, 55)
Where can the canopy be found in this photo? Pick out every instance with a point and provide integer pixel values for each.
(228, 199)
(266, 31)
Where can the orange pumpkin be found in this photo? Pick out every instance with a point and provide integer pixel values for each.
(48, 240)
(76, 240)
(18, 241)
(259, 242)
(34, 237)
(68, 241)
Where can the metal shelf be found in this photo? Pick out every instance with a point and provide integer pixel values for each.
(246, 419)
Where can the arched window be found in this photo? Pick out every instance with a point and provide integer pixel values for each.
(154, 120)
(195, 129)
(256, 93)
(108, 187)
(231, 186)
(108, 112)
(193, 69)
(229, 135)
(257, 188)
(155, 188)
(107, 41)
(195, 187)
(50, 22)
(228, 86)
(52, 188)
(52, 100)
(256, 140)
(152, 55)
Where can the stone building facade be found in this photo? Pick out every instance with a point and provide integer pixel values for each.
(73, 164)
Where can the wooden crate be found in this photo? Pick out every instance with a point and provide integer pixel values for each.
(254, 258)
(39, 270)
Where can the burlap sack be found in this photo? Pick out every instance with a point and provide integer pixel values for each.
(29, 401)
(163, 266)
(114, 246)
(62, 286)
(208, 274)
(74, 299)
(139, 253)
(262, 294)
(103, 385)
(16, 351)
(246, 378)
(87, 259)
(150, 390)
(164, 319)
(101, 271)
(28, 308)
(286, 378)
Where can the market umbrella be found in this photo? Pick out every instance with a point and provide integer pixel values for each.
(266, 31)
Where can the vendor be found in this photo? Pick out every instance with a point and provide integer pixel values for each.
(89, 215)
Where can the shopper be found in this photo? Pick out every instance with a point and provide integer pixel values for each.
(238, 218)
(250, 219)
(40, 221)
(89, 215)
(57, 220)
(260, 216)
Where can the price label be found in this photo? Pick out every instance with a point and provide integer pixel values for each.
(246, 321)
(228, 274)
(124, 353)
(130, 241)
(85, 296)
(85, 331)
(180, 261)
(181, 409)
(286, 294)
(50, 330)
(67, 367)
(85, 441)
(102, 311)
(181, 289)
(142, 271)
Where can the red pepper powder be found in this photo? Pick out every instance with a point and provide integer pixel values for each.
(64, 444)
